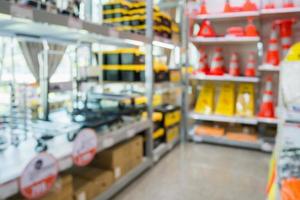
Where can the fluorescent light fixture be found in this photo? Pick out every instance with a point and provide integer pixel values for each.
(163, 44)
(134, 42)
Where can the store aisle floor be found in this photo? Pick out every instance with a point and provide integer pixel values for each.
(203, 172)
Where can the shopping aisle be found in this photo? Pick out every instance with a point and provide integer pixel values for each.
(203, 172)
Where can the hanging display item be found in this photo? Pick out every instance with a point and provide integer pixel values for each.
(225, 103)
(245, 100)
(205, 101)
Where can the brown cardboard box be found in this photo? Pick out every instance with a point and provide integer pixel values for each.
(136, 151)
(83, 189)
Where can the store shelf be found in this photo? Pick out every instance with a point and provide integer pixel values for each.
(224, 78)
(224, 141)
(172, 144)
(165, 43)
(269, 68)
(160, 151)
(280, 12)
(125, 180)
(224, 40)
(219, 118)
(227, 16)
(268, 120)
(166, 87)
(25, 21)
(25, 152)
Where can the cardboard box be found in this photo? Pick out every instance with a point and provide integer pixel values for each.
(209, 130)
(136, 151)
(83, 189)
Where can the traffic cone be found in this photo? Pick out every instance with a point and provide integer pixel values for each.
(250, 29)
(234, 69)
(203, 63)
(249, 6)
(288, 4)
(250, 67)
(267, 105)
(270, 5)
(227, 7)
(285, 29)
(273, 51)
(217, 65)
(206, 30)
(203, 10)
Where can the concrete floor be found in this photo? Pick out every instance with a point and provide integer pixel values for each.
(203, 172)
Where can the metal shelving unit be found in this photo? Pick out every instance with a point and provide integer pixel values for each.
(224, 40)
(227, 16)
(225, 77)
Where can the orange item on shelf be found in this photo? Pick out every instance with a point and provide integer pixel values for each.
(269, 5)
(203, 62)
(206, 29)
(227, 7)
(288, 4)
(250, 67)
(250, 29)
(209, 130)
(217, 65)
(290, 189)
(273, 56)
(249, 6)
(203, 9)
(285, 29)
(235, 31)
(234, 69)
(241, 137)
(267, 105)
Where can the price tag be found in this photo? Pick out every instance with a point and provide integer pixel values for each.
(39, 176)
(75, 23)
(85, 147)
(113, 33)
(130, 133)
(21, 12)
(108, 142)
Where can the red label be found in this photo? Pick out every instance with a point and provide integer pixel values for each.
(39, 176)
(85, 147)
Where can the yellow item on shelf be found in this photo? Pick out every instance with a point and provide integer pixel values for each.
(245, 100)
(205, 101)
(225, 104)
(156, 116)
(172, 133)
(158, 133)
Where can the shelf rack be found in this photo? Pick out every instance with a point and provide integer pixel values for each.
(224, 40)
(227, 16)
(224, 77)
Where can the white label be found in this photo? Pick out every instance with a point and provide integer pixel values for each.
(82, 196)
(39, 176)
(108, 142)
(75, 23)
(113, 33)
(117, 172)
(22, 12)
(130, 133)
(85, 147)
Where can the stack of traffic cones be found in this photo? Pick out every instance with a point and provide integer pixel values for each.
(250, 67)
(288, 4)
(285, 28)
(206, 30)
(227, 7)
(203, 9)
(203, 63)
(249, 6)
(234, 69)
(217, 65)
(273, 51)
(267, 105)
(250, 29)
(270, 5)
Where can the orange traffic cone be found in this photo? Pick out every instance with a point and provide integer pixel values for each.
(206, 30)
(286, 34)
(227, 7)
(234, 69)
(217, 65)
(267, 105)
(249, 6)
(250, 29)
(203, 62)
(273, 51)
(250, 67)
(203, 10)
(288, 4)
(270, 5)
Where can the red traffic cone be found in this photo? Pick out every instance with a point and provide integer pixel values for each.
(250, 67)
(273, 51)
(234, 69)
(249, 6)
(286, 34)
(217, 65)
(270, 5)
(227, 7)
(267, 105)
(203, 9)
(250, 29)
(206, 30)
(203, 62)
(288, 4)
